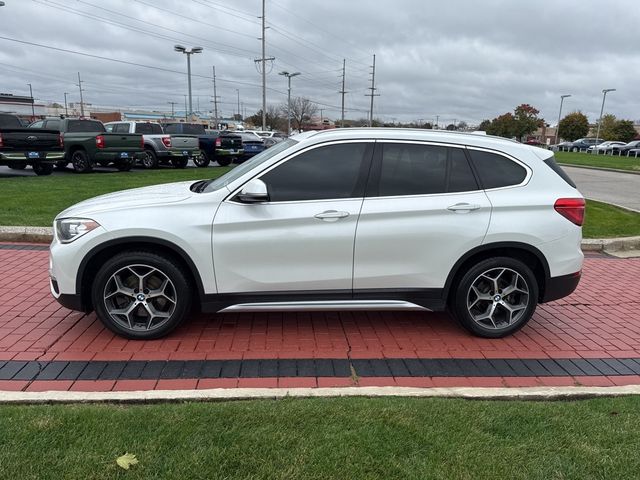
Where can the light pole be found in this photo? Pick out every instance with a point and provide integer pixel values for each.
(289, 75)
(239, 114)
(562, 97)
(33, 110)
(188, 53)
(604, 97)
(66, 111)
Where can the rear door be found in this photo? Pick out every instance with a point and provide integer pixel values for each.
(423, 210)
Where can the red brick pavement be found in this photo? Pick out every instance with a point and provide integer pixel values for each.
(600, 320)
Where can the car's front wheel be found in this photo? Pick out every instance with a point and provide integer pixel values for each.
(202, 160)
(496, 297)
(141, 295)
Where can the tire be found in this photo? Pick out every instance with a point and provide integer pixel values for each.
(157, 273)
(179, 162)
(150, 159)
(475, 295)
(17, 164)
(125, 166)
(224, 161)
(80, 162)
(42, 169)
(202, 160)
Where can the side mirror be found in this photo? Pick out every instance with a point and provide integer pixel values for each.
(255, 191)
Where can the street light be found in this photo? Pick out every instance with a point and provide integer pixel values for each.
(66, 112)
(33, 110)
(604, 97)
(188, 53)
(289, 75)
(562, 97)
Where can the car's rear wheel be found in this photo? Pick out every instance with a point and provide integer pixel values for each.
(224, 161)
(80, 162)
(43, 168)
(202, 160)
(17, 164)
(495, 297)
(141, 295)
(149, 159)
(179, 162)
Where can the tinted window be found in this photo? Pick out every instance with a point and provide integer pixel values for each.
(148, 128)
(333, 171)
(192, 129)
(408, 169)
(52, 124)
(495, 170)
(9, 121)
(84, 126)
(171, 128)
(121, 128)
(37, 124)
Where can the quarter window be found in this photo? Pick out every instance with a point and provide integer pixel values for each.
(332, 171)
(496, 171)
(413, 169)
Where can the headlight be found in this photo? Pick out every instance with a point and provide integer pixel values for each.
(69, 229)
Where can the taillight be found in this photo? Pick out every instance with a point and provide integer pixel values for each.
(100, 141)
(572, 209)
(141, 141)
(60, 140)
(1, 141)
(166, 141)
(218, 142)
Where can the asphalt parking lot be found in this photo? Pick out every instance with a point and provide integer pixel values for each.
(589, 338)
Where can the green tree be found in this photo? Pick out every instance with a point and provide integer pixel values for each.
(607, 127)
(526, 120)
(625, 132)
(503, 126)
(573, 126)
(484, 125)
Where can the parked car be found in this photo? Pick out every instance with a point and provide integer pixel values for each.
(227, 147)
(207, 143)
(604, 148)
(159, 147)
(561, 147)
(634, 152)
(481, 225)
(270, 134)
(252, 145)
(87, 144)
(584, 143)
(20, 146)
(626, 150)
(271, 141)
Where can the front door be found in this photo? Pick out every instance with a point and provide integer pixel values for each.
(302, 239)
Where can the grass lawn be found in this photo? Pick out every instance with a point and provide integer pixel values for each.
(348, 438)
(605, 161)
(603, 221)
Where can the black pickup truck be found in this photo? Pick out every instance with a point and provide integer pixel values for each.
(87, 144)
(20, 146)
(216, 146)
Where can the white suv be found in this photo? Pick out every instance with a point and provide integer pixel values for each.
(376, 219)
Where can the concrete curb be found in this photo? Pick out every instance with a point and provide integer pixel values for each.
(226, 394)
(45, 235)
(616, 170)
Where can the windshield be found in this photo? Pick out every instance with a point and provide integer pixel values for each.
(240, 170)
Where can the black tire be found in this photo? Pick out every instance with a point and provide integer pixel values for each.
(17, 164)
(80, 161)
(463, 295)
(105, 300)
(179, 162)
(202, 160)
(150, 159)
(125, 165)
(224, 161)
(42, 169)
(61, 165)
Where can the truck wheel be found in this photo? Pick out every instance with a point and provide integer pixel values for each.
(17, 165)
(179, 162)
(202, 160)
(150, 159)
(126, 165)
(80, 162)
(224, 161)
(43, 168)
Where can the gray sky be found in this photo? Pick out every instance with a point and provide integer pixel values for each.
(461, 59)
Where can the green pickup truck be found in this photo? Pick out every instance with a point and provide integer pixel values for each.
(87, 144)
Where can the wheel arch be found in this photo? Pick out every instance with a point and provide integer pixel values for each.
(528, 254)
(96, 257)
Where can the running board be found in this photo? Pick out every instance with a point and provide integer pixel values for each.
(325, 306)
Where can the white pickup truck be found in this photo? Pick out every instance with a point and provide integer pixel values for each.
(160, 147)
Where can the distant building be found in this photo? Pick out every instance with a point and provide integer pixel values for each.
(24, 107)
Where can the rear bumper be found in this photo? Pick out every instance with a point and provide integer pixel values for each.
(228, 152)
(116, 157)
(560, 287)
(179, 153)
(24, 156)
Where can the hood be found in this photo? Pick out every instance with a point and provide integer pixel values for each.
(126, 199)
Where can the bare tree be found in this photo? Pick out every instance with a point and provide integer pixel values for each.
(302, 109)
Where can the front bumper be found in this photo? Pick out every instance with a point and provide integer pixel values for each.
(25, 157)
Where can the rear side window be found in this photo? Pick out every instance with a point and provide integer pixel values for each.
(551, 163)
(413, 169)
(8, 121)
(85, 126)
(171, 128)
(53, 124)
(121, 128)
(148, 128)
(496, 171)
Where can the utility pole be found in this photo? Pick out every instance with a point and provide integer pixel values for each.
(289, 75)
(33, 109)
(173, 108)
(373, 90)
(215, 98)
(263, 61)
(81, 101)
(342, 92)
(186, 113)
(321, 118)
(66, 111)
(437, 120)
(239, 112)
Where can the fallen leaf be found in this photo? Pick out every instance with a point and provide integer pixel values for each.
(125, 461)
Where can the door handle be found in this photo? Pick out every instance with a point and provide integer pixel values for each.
(331, 215)
(463, 207)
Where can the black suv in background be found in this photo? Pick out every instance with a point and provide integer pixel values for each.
(584, 144)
